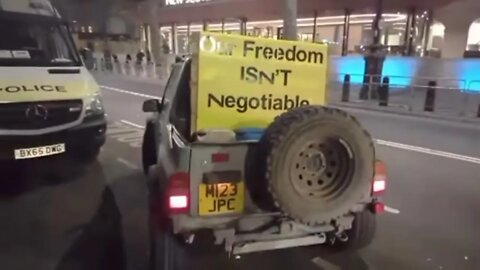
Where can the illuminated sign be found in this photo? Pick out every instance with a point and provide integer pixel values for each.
(184, 2)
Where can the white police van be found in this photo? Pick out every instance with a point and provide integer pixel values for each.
(49, 103)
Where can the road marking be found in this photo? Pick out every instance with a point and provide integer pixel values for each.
(412, 148)
(123, 91)
(118, 127)
(125, 133)
(127, 164)
(428, 151)
(407, 147)
(132, 124)
(325, 265)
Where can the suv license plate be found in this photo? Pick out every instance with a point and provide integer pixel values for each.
(41, 151)
(223, 198)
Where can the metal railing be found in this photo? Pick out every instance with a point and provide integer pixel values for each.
(440, 96)
(128, 68)
(132, 68)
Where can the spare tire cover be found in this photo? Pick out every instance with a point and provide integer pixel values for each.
(317, 164)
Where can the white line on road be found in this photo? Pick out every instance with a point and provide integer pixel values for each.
(132, 124)
(413, 148)
(325, 265)
(127, 163)
(123, 91)
(429, 151)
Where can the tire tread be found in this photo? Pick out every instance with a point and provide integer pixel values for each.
(276, 133)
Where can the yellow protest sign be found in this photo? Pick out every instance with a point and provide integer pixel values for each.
(246, 81)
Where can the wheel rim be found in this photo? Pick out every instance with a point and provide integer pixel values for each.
(321, 170)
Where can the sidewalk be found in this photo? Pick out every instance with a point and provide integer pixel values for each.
(397, 111)
(133, 78)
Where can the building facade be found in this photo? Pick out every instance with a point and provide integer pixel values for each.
(413, 28)
(436, 28)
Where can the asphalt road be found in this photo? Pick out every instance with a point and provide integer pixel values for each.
(93, 216)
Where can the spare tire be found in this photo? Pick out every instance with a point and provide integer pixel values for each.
(317, 164)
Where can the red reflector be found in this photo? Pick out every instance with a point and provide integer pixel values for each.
(380, 168)
(379, 184)
(220, 157)
(378, 208)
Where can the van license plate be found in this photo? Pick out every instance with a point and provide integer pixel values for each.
(41, 151)
(223, 198)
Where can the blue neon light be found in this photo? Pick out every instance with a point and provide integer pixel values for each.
(399, 69)
(352, 65)
(467, 71)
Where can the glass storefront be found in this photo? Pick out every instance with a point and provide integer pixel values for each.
(473, 42)
(326, 29)
(412, 33)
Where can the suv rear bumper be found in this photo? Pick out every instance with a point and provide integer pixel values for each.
(184, 223)
(90, 133)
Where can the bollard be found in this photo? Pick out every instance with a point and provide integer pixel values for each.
(374, 90)
(383, 92)
(430, 97)
(478, 111)
(364, 92)
(346, 88)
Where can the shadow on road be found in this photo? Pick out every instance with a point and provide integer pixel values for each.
(307, 258)
(59, 214)
(73, 204)
(345, 261)
(20, 177)
(99, 245)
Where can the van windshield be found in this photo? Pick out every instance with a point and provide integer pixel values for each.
(27, 43)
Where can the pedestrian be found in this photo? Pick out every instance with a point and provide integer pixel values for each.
(149, 57)
(107, 54)
(128, 60)
(166, 48)
(140, 56)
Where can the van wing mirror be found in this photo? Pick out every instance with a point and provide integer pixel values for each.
(152, 105)
(155, 105)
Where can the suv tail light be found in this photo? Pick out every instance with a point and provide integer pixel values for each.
(379, 183)
(178, 202)
(178, 193)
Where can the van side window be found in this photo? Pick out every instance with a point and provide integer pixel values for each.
(181, 112)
